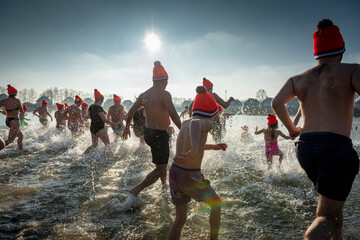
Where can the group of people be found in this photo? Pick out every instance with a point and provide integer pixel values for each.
(324, 149)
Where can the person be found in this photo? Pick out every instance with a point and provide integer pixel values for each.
(85, 111)
(42, 113)
(73, 115)
(13, 106)
(184, 112)
(297, 117)
(158, 106)
(245, 135)
(139, 124)
(216, 131)
(117, 114)
(185, 177)
(22, 117)
(60, 117)
(271, 135)
(98, 120)
(324, 150)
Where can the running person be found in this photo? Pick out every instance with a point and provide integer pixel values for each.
(60, 117)
(22, 117)
(73, 114)
(42, 113)
(13, 106)
(117, 114)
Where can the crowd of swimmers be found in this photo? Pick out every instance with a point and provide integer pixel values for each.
(324, 149)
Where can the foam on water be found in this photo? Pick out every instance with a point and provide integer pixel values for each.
(50, 191)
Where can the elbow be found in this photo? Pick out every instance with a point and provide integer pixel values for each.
(276, 104)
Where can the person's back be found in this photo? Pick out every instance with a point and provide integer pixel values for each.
(12, 107)
(326, 95)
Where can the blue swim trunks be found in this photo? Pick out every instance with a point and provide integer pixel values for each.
(330, 161)
(119, 130)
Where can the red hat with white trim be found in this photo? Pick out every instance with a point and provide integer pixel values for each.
(116, 98)
(11, 90)
(59, 105)
(25, 108)
(98, 95)
(84, 104)
(159, 72)
(328, 40)
(78, 99)
(272, 120)
(207, 84)
(44, 102)
(204, 103)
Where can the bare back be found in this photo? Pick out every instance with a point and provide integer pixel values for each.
(326, 96)
(74, 114)
(60, 117)
(12, 107)
(116, 112)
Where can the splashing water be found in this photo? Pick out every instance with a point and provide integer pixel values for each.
(49, 191)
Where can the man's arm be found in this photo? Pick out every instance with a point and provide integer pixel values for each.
(219, 146)
(190, 108)
(297, 116)
(35, 112)
(285, 94)
(221, 102)
(49, 115)
(356, 79)
(138, 103)
(171, 109)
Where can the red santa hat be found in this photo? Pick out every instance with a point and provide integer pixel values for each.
(25, 108)
(207, 84)
(11, 90)
(59, 105)
(78, 99)
(98, 95)
(204, 103)
(84, 104)
(66, 105)
(159, 72)
(44, 102)
(271, 120)
(220, 109)
(328, 40)
(116, 98)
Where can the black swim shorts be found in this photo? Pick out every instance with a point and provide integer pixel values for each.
(330, 161)
(158, 140)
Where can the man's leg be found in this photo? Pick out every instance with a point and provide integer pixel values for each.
(328, 221)
(214, 219)
(152, 177)
(180, 220)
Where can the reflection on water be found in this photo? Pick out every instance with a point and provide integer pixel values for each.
(50, 192)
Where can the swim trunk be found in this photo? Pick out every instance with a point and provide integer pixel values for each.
(8, 121)
(119, 130)
(43, 121)
(73, 127)
(158, 140)
(271, 148)
(216, 131)
(330, 162)
(186, 184)
(23, 122)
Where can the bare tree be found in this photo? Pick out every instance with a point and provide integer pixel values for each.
(261, 95)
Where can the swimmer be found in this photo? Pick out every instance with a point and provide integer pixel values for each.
(13, 106)
(117, 114)
(60, 117)
(324, 150)
(185, 177)
(98, 120)
(42, 113)
(73, 115)
(22, 117)
(271, 135)
(158, 107)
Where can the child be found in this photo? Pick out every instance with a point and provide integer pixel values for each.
(186, 179)
(270, 137)
(245, 135)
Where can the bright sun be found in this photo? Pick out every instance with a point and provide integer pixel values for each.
(152, 42)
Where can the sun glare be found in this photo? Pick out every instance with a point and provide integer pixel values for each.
(152, 42)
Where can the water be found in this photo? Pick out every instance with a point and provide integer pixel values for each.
(51, 192)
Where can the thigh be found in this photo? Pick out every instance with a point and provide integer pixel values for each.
(102, 134)
(329, 207)
(94, 140)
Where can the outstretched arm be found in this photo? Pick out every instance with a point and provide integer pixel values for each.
(219, 146)
(221, 102)
(258, 132)
(35, 112)
(284, 136)
(285, 94)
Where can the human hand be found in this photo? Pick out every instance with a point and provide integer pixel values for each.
(126, 134)
(294, 133)
(221, 146)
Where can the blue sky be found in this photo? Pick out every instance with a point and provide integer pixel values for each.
(241, 46)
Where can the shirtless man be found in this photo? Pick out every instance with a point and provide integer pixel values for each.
(217, 128)
(13, 107)
(158, 106)
(42, 113)
(73, 114)
(185, 178)
(60, 117)
(117, 114)
(324, 151)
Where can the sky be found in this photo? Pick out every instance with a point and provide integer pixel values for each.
(241, 46)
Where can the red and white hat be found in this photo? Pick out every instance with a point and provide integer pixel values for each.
(116, 98)
(98, 95)
(328, 40)
(78, 99)
(84, 104)
(59, 106)
(272, 120)
(207, 84)
(11, 90)
(44, 102)
(204, 103)
(25, 108)
(159, 72)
